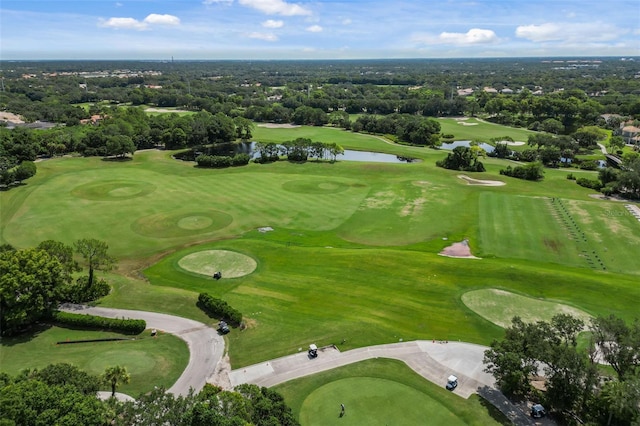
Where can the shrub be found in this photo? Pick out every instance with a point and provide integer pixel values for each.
(218, 308)
(127, 326)
(80, 293)
(531, 171)
(240, 159)
(589, 183)
(570, 176)
(589, 165)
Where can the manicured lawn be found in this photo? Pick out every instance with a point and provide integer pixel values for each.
(150, 361)
(381, 392)
(474, 129)
(499, 307)
(354, 251)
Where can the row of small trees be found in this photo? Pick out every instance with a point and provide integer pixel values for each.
(299, 149)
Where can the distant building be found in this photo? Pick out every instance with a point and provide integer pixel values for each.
(465, 92)
(490, 90)
(631, 135)
(507, 91)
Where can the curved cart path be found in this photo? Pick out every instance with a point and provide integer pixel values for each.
(433, 360)
(206, 346)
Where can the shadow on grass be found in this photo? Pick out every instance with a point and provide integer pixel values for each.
(117, 159)
(495, 414)
(27, 335)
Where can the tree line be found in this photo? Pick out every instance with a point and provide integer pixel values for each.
(578, 386)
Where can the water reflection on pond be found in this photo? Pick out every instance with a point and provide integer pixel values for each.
(450, 146)
(231, 149)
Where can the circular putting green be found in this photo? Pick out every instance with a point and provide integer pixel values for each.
(181, 224)
(315, 186)
(113, 190)
(208, 262)
(499, 307)
(373, 401)
(135, 360)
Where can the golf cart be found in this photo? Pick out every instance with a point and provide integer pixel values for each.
(537, 411)
(452, 382)
(313, 351)
(223, 328)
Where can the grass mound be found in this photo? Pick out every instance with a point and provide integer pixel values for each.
(499, 307)
(113, 190)
(208, 262)
(372, 401)
(170, 225)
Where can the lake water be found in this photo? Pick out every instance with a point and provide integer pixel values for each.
(450, 146)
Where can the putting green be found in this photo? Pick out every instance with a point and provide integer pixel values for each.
(176, 224)
(113, 190)
(135, 360)
(499, 307)
(373, 401)
(208, 262)
(315, 186)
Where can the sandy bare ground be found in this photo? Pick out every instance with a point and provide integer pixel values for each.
(609, 198)
(458, 250)
(278, 125)
(9, 116)
(464, 123)
(514, 143)
(164, 110)
(472, 181)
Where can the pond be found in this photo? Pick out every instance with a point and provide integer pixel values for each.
(450, 146)
(349, 155)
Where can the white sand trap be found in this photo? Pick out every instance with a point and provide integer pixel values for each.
(458, 250)
(278, 125)
(207, 262)
(464, 123)
(472, 181)
(514, 143)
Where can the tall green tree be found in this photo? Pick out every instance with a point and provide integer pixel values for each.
(94, 253)
(31, 285)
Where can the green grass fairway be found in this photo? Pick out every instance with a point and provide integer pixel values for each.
(381, 392)
(474, 129)
(150, 361)
(499, 306)
(372, 401)
(208, 262)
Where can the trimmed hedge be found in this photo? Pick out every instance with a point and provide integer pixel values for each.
(219, 308)
(127, 326)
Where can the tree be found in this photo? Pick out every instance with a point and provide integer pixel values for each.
(69, 375)
(95, 256)
(114, 376)
(622, 400)
(63, 253)
(31, 285)
(589, 136)
(25, 170)
(616, 143)
(618, 343)
(462, 158)
(120, 145)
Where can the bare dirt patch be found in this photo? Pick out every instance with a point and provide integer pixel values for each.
(9, 116)
(278, 125)
(220, 376)
(413, 207)
(478, 182)
(458, 250)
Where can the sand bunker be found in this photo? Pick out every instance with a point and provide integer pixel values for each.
(278, 125)
(165, 110)
(458, 250)
(513, 143)
(464, 123)
(207, 262)
(9, 116)
(472, 181)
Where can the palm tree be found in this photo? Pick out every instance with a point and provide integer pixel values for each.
(114, 376)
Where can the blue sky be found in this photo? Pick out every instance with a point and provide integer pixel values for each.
(341, 29)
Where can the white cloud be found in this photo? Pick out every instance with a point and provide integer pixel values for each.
(118, 4)
(473, 36)
(276, 7)
(155, 19)
(122, 23)
(569, 32)
(263, 36)
(314, 29)
(270, 23)
(346, 21)
(134, 24)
